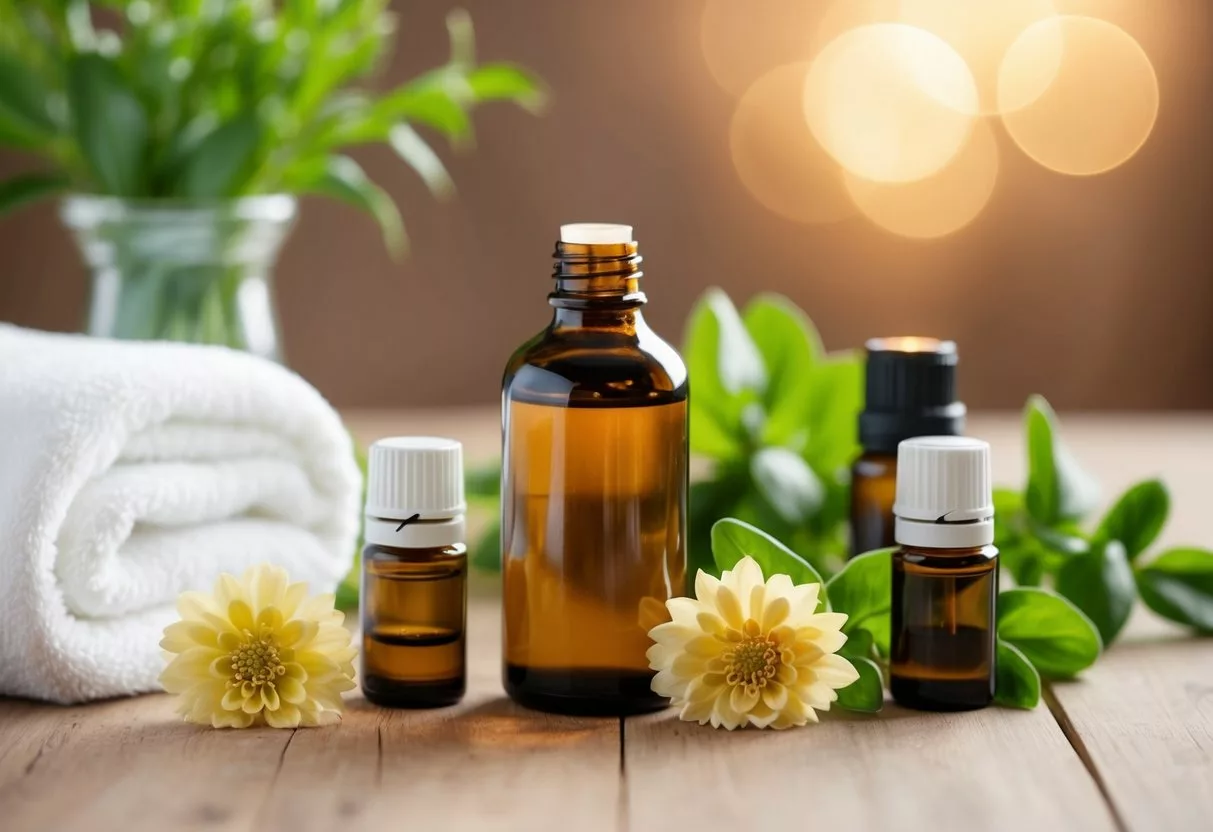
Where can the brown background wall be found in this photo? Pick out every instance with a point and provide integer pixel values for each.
(1096, 292)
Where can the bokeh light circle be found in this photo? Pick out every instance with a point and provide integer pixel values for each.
(1098, 110)
(890, 102)
(741, 43)
(938, 205)
(982, 31)
(841, 16)
(776, 156)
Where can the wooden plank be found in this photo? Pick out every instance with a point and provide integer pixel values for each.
(482, 765)
(990, 770)
(1142, 717)
(131, 764)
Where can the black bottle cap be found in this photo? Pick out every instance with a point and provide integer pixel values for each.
(910, 390)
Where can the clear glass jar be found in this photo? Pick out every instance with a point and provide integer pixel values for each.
(181, 271)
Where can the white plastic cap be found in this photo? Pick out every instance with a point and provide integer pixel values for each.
(595, 233)
(409, 475)
(944, 494)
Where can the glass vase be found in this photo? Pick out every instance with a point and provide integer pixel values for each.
(181, 271)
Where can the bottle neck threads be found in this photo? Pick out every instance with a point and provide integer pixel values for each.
(597, 276)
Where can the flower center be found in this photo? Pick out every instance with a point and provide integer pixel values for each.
(753, 662)
(256, 661)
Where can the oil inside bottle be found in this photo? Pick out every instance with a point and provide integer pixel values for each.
(592, 550)
(873, 488)
(943, 628)
(413, 644)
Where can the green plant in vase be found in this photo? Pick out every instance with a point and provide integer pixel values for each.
(183, 131)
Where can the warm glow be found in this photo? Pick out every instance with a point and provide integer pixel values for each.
(910, 343)
(982, 31)
(937, 205)
(776, 156)
(1099, 109)
(842, 16)
(891, 103)
(742, 43)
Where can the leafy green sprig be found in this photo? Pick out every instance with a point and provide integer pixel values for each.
(211, 99)
(777, 417)
(1044, 536)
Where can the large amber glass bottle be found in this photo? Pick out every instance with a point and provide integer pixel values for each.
(594, 487)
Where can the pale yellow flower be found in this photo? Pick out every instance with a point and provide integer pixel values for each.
(257, 651)
(745, 652)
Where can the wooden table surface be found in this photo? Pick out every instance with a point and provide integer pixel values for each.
(1129, 746)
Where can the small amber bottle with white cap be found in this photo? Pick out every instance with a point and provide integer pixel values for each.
(945, 575)
(414, 574)
(594, 486)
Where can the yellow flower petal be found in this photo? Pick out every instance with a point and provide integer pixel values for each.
(775, 613)
(268, 585)
(287, 716)
(705, 588)
(683, 610)
(835, 671)
(775, 696)
(298, 633)
(730, 607)
(241, 616)
(743, 697)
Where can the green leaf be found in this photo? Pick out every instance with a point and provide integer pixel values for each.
(432, 100)
(418, 155)
(865, 694)
(790, 347)
(787, 483)
(1052, 633)
(30, 187)
(344, 179)
(506, 82)
(1008, 517)
(1057, 488)
(486, 553)
(23, 99)
(732, 540)
(1137, 517)
(726, 375)
(1178, 585)
(836, 394)
(863, 589)
(484, 483)
(109, 123)
(1017, 683)
(708, 501)
(221, 163)
(1100, 583)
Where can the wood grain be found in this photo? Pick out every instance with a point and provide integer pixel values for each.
(482, 765)
(1143, 718)
(990, 770)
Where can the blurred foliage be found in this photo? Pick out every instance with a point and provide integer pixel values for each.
(212, 99)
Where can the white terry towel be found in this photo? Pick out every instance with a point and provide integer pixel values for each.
(132, 471)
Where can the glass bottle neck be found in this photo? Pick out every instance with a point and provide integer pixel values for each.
(597, 286)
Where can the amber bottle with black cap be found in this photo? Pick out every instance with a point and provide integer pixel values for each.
(910, 390)
(594, 487)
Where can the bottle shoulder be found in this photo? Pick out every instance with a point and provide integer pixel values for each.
(588, 366)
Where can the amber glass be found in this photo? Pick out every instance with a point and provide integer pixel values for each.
(594, 486)
(873, 488)
(943, 627)
(414, 604)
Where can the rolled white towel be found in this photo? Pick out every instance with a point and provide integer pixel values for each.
(133, 471)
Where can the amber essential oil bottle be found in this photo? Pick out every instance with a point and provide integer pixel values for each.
(910, 390)
(414, 574)
(594, 487)
(945, 576)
